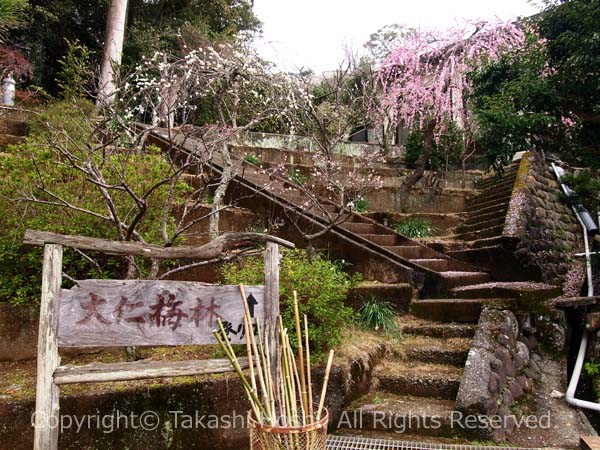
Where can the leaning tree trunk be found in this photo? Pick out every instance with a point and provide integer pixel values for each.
(226, 177)
(421, 163)
(113, 48)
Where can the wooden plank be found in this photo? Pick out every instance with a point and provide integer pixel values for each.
(211, 250)
(153, 312)
(590, 443)
(47, 392)
(140, 370)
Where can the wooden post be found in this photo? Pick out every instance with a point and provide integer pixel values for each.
(272, 302)
(47, 418)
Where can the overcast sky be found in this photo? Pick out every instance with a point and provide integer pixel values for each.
(312, 33)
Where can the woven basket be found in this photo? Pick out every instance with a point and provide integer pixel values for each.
(308, 437)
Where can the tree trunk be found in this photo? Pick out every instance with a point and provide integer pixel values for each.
(113, 49)
(226, 177)
(421, 163)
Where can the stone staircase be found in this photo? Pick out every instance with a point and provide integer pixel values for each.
(414, 390)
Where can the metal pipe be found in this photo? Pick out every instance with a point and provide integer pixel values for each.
(572, 388)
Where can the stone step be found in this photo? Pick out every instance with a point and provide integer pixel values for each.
(384, 412)
(482, 225)
(480, 234)
(486, 242)
(384, 240)
(476, 205)
(493, 207)
(436, 264)
(399, 295)
(425, 380)
(455, 279)
(480, 257)
(477, 217)
(491, 182)
(491, 195)
(9, 139)
(448, 310)
(503, 183)
(518, 290)
(440, 330)
(362, 228)
(409, 251)
(438, 353)
(14, 127)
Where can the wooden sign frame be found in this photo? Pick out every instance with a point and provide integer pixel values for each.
(51, 375)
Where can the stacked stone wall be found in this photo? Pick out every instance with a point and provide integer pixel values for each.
(502, 368)
(546, 228)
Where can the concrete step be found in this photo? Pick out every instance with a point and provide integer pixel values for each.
(438, 353)
(486, 242)
(437, 264)
(495, 203)
(480, 257)
(384, 412)
(482, 225)
(384, 240)
(14, 127)
(491, 182)
(399, 295)
(477, 217)
(9, 139)
(409, 251)
(480, 234)
(493, 194)
(425, 380)
(455, 279)
(493, 207)
(448, 310)
(440, 330)
(362, 228)
(518, 290)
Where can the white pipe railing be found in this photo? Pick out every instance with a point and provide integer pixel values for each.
(572, 388)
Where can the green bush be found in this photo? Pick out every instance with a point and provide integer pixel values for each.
(69, 124)
(415, 228)
(361, 205)
(322, 287)
(378, 315)
(449, 147)
(252, 159)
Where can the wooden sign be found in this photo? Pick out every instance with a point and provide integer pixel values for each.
(140, 313)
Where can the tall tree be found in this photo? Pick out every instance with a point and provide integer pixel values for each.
(113, 49)
(424, 80)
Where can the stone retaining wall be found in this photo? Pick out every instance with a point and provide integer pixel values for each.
(501, 368)
(547, 230)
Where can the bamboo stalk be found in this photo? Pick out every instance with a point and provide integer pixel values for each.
(325, 382)
(261, 379)
(304, 397)
(250, 357)
(308, 372)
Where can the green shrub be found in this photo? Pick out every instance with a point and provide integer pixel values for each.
(297, 177)
(322, 287)
(449, 147)
(360, 205)
(415, 228)
(252, 159)
(378, 315)
(69, 123)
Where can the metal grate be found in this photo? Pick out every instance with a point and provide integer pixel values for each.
(357, 443)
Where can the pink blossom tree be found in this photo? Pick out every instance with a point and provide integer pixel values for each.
(424, 80)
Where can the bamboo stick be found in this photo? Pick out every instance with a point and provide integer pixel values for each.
(304, 397)
(325, 382)
(261, 378)
(311, 411)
